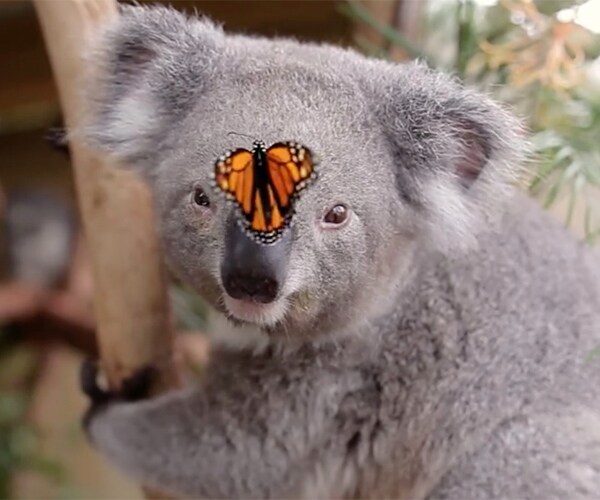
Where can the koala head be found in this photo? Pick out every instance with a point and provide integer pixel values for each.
(410, 162)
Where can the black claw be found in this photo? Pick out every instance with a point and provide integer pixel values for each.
(133, 388)
(88, 379)
(137, 386)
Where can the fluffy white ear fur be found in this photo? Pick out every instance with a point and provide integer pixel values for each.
(133, 121)
(459, 154)
(455, 215)
(144, 69)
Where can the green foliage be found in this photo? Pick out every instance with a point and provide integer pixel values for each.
(569, 159)
(19, 441)
(354, 9)
(189, 309)
(523, 54)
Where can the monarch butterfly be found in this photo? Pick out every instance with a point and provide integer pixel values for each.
(265, 183)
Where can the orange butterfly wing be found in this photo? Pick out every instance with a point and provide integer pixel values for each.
(267, 208)
(267, 220)
(234, 175)
(291, 169)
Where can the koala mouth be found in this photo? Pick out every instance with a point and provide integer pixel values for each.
(248, 311)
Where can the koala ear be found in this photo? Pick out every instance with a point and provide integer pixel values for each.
(473, 149)
(146, 67)
(457, 154)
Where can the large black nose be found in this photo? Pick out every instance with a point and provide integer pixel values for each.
(251, 271)
(250, 287)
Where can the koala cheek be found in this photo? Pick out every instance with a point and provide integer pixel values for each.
(341, 269)
(303, 270)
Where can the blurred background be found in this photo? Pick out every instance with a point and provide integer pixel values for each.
(540, 57)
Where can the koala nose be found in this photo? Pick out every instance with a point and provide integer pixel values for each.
(251, 271)
(249, 287)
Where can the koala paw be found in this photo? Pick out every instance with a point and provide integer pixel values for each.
(134, 388)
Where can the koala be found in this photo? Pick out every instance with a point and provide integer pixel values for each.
(424, 330)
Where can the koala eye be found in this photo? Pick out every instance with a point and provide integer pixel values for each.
(337, 215)
(200, 198)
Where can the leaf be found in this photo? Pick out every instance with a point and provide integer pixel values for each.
(546, 140)
(567, 174)
(544, 171)
(551, 166)
(466, 36)
(550, 7)
(576, 189)
(355, 10)
(592, 173)
(591, 234)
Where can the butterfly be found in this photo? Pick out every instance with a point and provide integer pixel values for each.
(264, 184)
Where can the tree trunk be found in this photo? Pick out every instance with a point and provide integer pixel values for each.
(130, 292)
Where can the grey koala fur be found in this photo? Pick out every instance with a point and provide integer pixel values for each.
(435, 346)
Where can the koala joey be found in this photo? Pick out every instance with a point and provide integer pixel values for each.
(423, 330)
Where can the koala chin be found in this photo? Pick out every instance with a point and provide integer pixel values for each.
(432, 324)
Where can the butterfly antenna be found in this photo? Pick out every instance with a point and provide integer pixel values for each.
(242, 135)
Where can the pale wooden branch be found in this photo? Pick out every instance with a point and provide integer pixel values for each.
(130, 293)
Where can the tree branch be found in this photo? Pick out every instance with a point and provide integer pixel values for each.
(129, 281)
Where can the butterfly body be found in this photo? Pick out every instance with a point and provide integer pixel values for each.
(259, 156)
(264, 183)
